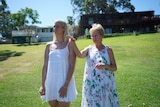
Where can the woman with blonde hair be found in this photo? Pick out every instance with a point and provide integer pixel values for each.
(58, 84)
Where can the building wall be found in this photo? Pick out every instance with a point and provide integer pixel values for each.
(24, 36)
(45, 34)
(30, 34)
(121, 22)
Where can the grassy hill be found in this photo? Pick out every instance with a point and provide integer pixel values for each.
(137, 77)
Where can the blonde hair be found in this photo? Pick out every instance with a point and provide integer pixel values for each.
(64, 25)
(97, 27)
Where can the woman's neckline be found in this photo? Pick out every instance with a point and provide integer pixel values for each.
(59, 48)
(99, 49)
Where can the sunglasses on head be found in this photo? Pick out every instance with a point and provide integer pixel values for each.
(57, 26)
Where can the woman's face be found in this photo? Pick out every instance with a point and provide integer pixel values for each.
(96, 37)
(58, 29)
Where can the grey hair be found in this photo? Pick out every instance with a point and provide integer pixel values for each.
(97, 27)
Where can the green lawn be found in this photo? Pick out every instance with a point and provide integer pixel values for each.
(137, 77)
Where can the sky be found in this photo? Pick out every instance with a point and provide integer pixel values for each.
(51, 10)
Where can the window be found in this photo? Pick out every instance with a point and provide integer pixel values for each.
(51, 29)
(39, 30)
(90, 21)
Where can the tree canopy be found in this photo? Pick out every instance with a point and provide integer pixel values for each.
(71, 20)
(10, 21)
(24, 17)
(101, 6)
(4, 17)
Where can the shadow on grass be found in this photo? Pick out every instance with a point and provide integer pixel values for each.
(5, 54)
(28, 44)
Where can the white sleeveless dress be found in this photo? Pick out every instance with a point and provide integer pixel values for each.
(58, 64)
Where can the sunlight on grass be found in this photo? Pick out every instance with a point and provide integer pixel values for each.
(137, 77)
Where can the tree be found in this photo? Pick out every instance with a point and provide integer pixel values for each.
(24, 17)
(73, 30)
(23, 20)
(71, 20)
(9, 22)
(126, 5)
(4, 17)
(100, 6)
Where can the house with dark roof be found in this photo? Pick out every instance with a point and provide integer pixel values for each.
(144, 21)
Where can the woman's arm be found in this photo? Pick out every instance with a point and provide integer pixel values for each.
(44, 70)
(113, 65)
(80, 54)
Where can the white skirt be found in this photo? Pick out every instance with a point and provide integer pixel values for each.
(55, 79)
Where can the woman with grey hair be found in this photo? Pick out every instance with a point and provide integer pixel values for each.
(99, 87)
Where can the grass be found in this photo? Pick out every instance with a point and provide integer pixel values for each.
(137, 77)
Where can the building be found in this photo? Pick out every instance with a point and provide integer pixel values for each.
(45, 34)
(32, 34)
(144, 21)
